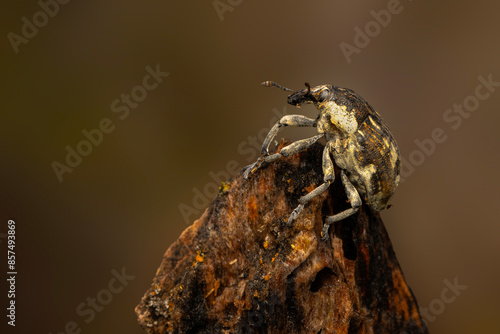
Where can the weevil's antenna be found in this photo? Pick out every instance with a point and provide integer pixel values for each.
(272, 83)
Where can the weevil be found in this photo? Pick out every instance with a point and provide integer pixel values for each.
(358, 142)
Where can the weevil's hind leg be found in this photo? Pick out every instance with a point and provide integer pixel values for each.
(329, 177)
(354, 199)
(288, 120)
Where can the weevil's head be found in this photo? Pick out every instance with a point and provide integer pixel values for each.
(314, 95)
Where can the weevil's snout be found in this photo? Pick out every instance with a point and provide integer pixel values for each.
(302, 96)
(299, 97)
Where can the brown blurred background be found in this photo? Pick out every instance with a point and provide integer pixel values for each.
(120, 207)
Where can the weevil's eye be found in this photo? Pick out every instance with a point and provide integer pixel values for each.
(323, 95)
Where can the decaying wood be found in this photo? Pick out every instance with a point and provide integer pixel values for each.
(240, 269)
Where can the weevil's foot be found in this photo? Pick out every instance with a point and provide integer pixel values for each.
(325, 235)
(246, 171)
(295, 214)
(252, 168)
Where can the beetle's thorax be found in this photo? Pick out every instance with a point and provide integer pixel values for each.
(336, 120)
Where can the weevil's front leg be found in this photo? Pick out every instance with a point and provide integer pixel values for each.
(354, 199)
(288, 120)
(329, 177)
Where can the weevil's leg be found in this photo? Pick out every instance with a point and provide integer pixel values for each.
(329, 176)
(288, 120)
(354, 199)
(253, 167)
(293, 148)
(286, 151)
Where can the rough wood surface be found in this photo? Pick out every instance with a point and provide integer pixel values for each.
(240, 269)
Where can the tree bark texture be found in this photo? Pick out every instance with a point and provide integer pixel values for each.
(240, 269)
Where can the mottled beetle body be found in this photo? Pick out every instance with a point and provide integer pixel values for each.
(368, 152)
(357, 139)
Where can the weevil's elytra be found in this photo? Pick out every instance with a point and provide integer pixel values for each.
(358, 140)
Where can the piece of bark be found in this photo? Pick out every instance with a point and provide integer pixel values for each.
(240, 269)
